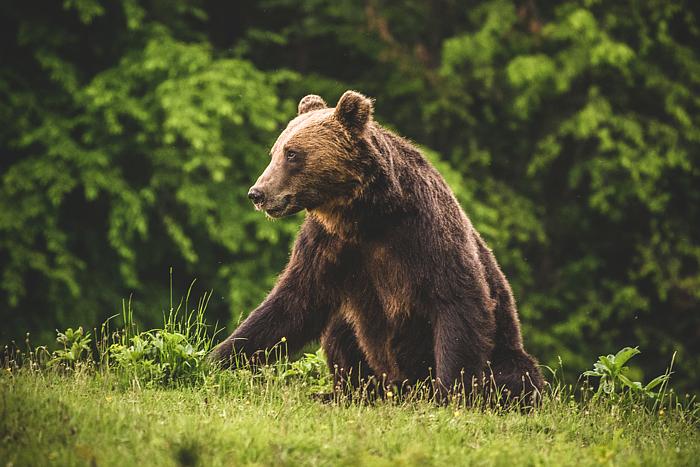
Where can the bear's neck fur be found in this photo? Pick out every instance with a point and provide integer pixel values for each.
(383, 158)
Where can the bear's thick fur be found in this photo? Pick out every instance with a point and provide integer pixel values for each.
(387, 269)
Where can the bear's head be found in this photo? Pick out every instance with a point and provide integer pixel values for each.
(318, 159)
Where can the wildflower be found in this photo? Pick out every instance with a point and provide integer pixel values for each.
(457, 413)
(284, 339)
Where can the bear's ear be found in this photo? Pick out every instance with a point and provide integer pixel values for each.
(354, 111)
(311, 102)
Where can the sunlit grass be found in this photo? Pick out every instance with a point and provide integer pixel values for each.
(88, 418)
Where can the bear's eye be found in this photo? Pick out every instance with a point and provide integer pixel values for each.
(291, 155)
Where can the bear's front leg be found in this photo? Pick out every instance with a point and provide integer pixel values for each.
(271, 323)
(296, 309)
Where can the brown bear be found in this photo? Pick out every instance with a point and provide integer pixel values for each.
(387, 269)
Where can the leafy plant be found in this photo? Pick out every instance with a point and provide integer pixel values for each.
(311, 369)
(160, 356)
(611, 370)
(76, 347)
(172, 355)
(169, 356)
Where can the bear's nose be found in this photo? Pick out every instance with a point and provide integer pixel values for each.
(256, 196)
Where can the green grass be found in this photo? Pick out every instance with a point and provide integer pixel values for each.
(88, 417)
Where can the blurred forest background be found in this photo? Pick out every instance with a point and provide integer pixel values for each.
(131, 131)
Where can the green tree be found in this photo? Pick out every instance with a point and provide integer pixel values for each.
(129, 145)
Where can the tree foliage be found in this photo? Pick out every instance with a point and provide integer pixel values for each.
(570, 131)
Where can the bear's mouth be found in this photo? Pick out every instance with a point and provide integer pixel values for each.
(283, 211)
(284, 208)
(276, 212)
